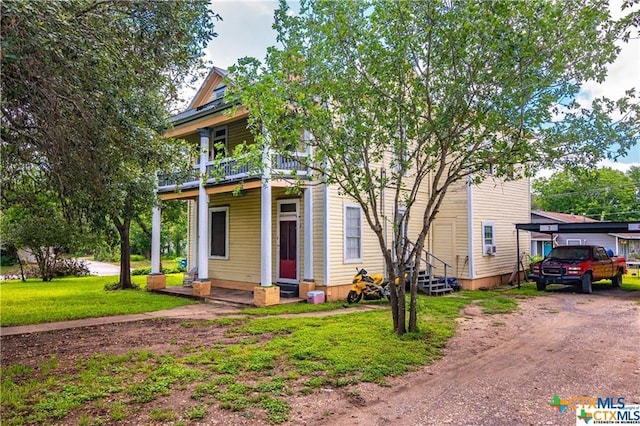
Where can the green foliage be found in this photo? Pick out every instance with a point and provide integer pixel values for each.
(147, 271)
(34, 302)
(198, 412)
(162, 414)
(87, 87)
(36, 223)
(436, 95)
(602, 194)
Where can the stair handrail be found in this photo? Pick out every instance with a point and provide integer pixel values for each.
(430, 266)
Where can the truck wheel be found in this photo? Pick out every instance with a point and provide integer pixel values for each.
(616, 281)
(541, 285)
(586, 283)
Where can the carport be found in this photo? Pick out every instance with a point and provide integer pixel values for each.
(572, 228)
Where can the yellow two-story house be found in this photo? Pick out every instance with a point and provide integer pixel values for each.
(247, 231)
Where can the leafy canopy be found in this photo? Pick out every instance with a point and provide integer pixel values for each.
(603, 194)
(412, 97)
(87, 87)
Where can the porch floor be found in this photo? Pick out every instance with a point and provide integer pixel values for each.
(219, 294)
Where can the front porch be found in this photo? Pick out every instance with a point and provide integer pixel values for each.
(235, 297)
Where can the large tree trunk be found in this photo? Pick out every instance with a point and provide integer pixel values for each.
(125, 256)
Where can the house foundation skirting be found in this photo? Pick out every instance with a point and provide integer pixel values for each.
(234, 285)
(488, 282)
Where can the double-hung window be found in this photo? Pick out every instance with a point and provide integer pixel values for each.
(219, 230)
(352, 233)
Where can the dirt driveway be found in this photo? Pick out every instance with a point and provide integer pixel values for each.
(505, 369)
(497, 370)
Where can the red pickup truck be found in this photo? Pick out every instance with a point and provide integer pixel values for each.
(578, 265)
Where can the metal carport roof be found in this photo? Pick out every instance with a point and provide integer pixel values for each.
(575, 228)
(585, 227)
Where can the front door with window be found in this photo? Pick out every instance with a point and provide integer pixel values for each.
(288, 241)
(288, 249)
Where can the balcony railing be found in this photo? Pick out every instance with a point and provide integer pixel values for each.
(230, 170)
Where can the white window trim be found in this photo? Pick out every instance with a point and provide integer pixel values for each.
(226, 231)
(488, 249)
(573, 241)
(344, 234)
(212, 141)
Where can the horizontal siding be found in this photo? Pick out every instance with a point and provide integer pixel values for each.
(342, 272)
(243, 263)
(237, 134)
(604, 240)
(449, 233)
(318, 235)
(505, 204)
(192, 259)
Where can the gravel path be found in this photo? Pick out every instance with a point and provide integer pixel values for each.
(505, 369)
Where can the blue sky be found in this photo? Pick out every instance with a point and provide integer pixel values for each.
(246, 31)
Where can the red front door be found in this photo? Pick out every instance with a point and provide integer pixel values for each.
(288, 249)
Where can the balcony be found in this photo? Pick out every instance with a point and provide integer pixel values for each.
(230, 170)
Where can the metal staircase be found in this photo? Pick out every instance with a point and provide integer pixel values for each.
(428, 281)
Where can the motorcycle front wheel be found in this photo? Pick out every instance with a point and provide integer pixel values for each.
(354, 297)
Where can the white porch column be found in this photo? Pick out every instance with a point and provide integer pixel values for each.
(203, 209)
(155, 240)
(266, 270)
(308, 233)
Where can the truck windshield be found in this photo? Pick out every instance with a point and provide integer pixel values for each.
(569, 253)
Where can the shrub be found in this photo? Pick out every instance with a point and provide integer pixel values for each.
(70, 267)
(137, 258)
(147, 271)
(8, 257)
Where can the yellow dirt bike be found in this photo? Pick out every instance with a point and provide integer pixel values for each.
(372, 287)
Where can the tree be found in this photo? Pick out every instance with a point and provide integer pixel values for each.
(32, 220)
(87, 86)
(436, 93)
(603, 194)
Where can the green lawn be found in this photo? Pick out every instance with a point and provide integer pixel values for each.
(631, 282)
(260, 362)
(62, 299)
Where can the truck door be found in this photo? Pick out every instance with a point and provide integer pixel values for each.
(602, 264)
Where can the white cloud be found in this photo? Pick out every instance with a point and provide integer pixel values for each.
(244, 31)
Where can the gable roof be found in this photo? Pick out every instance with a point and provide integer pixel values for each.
(205, 94)
(207, 100)
(563, 217)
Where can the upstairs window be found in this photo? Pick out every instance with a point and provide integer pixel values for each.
(218, 143)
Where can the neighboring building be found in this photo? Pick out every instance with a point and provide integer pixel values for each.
(622, 244)
(258, 233)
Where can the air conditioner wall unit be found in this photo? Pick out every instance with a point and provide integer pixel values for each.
(490, 250)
